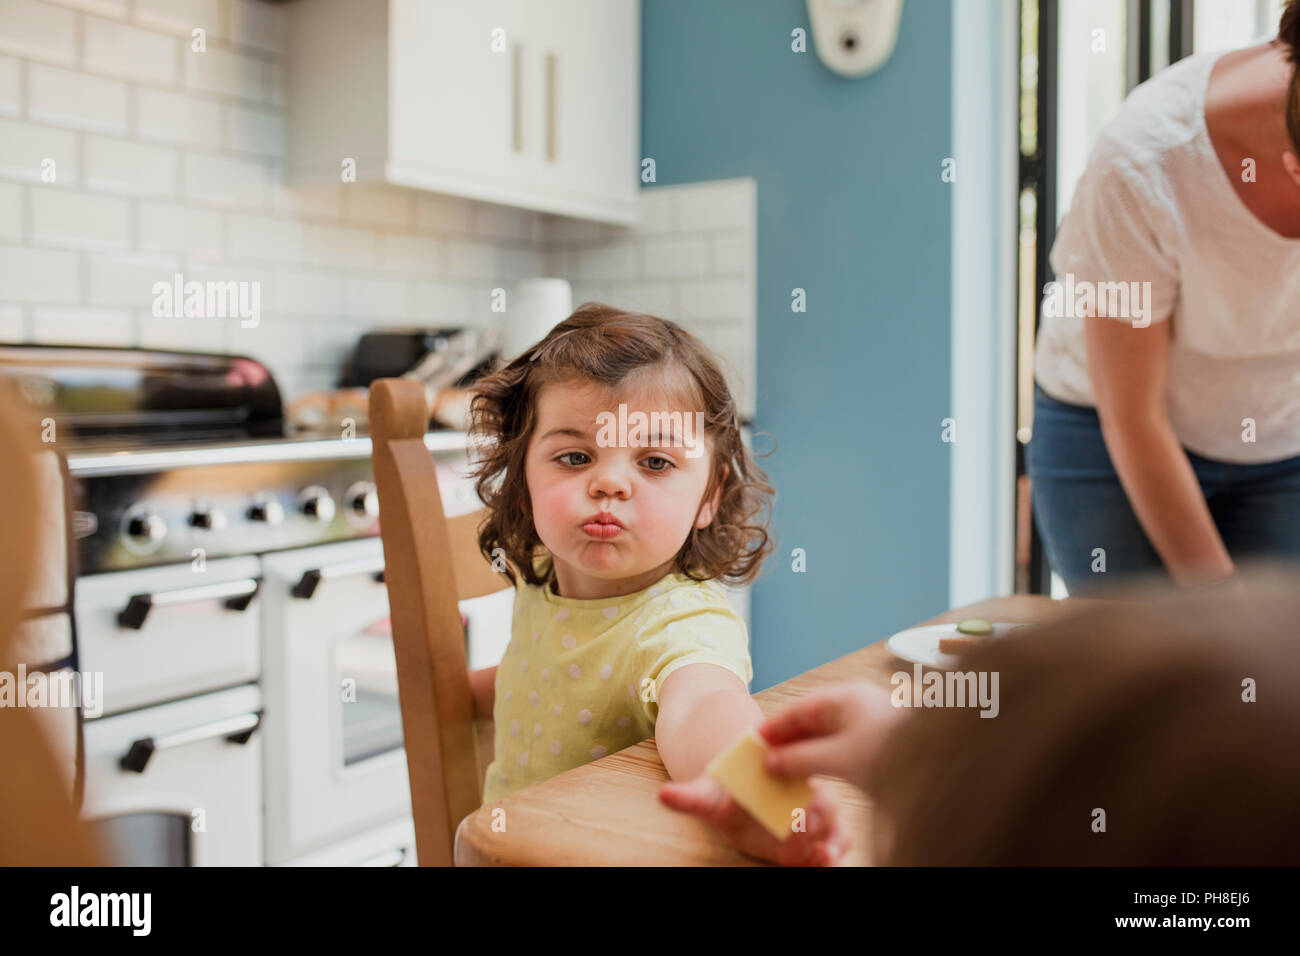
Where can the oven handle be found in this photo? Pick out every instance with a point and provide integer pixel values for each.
(390, 858)
(312, 578)
(235, 595)
(236, 730)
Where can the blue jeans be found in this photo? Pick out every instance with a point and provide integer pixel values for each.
(1079, 504)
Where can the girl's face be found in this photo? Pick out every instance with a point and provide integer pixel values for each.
(650, 488)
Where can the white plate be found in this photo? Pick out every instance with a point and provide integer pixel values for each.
(920, 645)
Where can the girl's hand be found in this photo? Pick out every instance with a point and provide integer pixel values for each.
(835, 731)
(823, 843)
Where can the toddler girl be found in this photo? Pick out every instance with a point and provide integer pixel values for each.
(618, 494)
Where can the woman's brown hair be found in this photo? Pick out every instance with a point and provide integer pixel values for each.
(1288, 32)
(1177, 715)
(605, 346)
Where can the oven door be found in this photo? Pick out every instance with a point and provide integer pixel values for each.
(335, 766)
(178, 784)
(335, 761)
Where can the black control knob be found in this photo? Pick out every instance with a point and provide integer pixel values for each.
(266, 510)
(363, 500)
(209, 519)
(317, 503)
(145, 528)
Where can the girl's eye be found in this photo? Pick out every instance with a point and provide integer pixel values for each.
(570, 454)
(666, 463)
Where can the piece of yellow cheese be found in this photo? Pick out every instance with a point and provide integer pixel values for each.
(771, 800)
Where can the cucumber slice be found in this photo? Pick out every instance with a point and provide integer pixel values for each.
(975, 625)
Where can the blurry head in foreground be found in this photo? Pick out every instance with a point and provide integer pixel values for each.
(1161, 732)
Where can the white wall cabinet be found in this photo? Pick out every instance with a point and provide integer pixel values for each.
(527, 103)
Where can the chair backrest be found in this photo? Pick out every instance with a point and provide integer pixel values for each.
(431, 563)
(38, 822)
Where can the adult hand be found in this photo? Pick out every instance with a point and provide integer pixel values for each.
(836, 731)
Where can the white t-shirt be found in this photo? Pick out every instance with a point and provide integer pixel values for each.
(1155, 205)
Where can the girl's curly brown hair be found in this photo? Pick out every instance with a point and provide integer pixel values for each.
(602, 345)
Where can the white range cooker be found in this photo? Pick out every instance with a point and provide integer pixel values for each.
(228, 584)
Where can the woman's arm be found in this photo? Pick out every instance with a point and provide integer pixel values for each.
(1128, 368)
(483, 688)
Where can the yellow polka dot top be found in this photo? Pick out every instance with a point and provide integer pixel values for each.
(581, 678)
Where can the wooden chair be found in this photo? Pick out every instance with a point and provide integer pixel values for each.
(431, 563)
(38, 822)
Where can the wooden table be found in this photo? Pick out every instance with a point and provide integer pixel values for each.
(607, 812)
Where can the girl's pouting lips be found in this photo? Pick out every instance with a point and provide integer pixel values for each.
(603, 526)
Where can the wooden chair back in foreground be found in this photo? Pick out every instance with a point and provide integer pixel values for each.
(431, 563)
(38, 822)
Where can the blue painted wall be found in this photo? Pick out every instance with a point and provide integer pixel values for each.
(851, 208)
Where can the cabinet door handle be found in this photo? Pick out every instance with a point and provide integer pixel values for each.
(550, 107)
(516, 94)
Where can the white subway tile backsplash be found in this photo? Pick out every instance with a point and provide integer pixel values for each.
(377, 298)
(81, 220)
(403, 253)
(380, 205)
(473, 260)
(127, 280)
(186, 335)
(224, 181)
(612, 260)
(519, 262)
(490, 221)
(31, 28)
(120, 166)
(29, 149)
(166, 227)
(11, 90)
(107, 8)
(342, 247)
(11, 213)
(181, 16)
(224, 72)
(256, 23)
(168, 117)
(81, 326)
(78, 100)
(655, 298)
(306, 292)
(674, 257)
(39, 275)
(315, 202)
(713, 298)
(179, 170)
(13, 327)
(255, 130)
(277, 340)
(332, 343)
(446, 215)
(561, 229)
(441, 301)
(658, 212)
(266, 239)
(129, 52)
(732, 255)
(273, 74)
(695, 245)
(722, 205)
